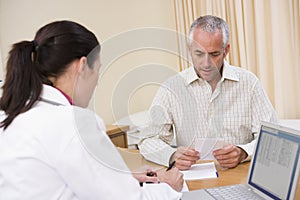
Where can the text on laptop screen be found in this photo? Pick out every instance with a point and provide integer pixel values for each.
(275, 163)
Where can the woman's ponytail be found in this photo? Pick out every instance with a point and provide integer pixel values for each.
(31, 64)
(23, 79)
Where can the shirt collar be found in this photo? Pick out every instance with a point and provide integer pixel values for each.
(190, 74)
(229, 73)
(53, 96)
(67, 96)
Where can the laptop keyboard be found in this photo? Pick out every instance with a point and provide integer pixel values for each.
(233, 192)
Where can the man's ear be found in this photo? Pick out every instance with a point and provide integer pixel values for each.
(189, 55)
(226, 51)
(188, 46)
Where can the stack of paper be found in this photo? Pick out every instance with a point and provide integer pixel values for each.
(201, 171)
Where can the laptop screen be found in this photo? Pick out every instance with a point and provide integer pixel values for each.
(275, 164)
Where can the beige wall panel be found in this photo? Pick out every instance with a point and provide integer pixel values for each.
(109, 20)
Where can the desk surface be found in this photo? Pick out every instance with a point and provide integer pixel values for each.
(236, 175)
(112, 129)
(118, 135)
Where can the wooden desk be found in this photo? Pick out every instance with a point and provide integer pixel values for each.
(236, 175)
(118, 135)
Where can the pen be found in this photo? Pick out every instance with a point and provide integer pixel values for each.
(171, 165)
(150, 173)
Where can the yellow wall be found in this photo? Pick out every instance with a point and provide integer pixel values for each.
(117, 24)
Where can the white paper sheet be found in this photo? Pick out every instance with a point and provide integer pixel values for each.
(207, 145)
(185, 188)
(201, 171)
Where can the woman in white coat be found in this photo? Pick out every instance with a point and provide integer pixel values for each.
(51, 147)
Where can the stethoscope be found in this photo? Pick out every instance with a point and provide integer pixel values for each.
(50, 102)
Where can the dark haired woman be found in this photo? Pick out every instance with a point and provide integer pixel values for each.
(51, 147)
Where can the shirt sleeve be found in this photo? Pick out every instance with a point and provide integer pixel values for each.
(89, 178)
(262, 110)
(92, 167)
(158, 136)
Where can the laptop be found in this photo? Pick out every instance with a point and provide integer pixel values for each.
(274, 169)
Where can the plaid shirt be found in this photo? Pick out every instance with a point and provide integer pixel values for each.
(185, 108)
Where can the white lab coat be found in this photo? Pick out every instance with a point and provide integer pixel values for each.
(58, 151)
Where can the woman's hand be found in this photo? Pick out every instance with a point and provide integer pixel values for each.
(145, 174)
(173, 177)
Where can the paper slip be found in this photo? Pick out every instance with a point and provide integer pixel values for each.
(185, 188)
(200, 171)
(207, 145)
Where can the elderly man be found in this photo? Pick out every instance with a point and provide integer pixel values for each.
(211, 99)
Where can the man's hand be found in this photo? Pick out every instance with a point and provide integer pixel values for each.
(185, 157)
(230, 156)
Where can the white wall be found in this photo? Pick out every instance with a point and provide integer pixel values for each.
(110, 20)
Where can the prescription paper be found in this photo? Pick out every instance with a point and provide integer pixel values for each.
(206, 146)
(200, 171)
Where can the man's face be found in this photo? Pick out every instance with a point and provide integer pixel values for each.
(208, 54)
